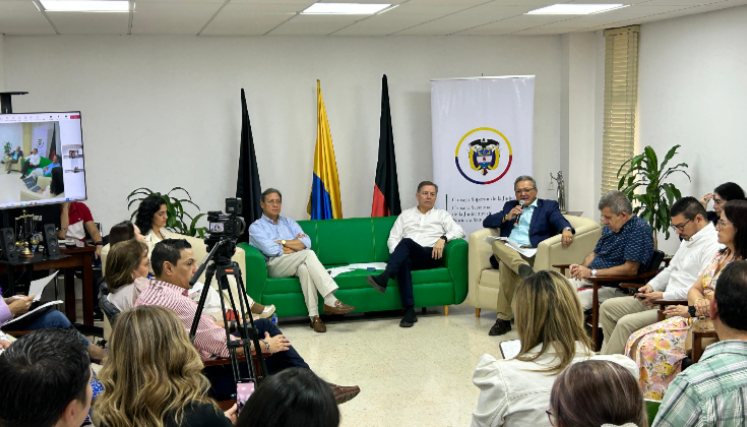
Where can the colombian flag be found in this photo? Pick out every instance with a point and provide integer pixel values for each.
(324, 202)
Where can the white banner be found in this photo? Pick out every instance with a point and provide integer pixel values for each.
(482, 141)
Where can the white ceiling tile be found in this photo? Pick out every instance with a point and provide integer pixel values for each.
(410, 9)
(164, 18)
(462, 21)
(243, 20)
(90, 22)
(22, 18)
(381, 25)
(543, 31)
(262, 8)
(314, 25)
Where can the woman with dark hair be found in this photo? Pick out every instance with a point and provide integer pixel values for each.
(596, 393)
(126, 272)
(659, 349)
(723, 193)
(125, 230)
(56, 186)
(294, 397)
(151, 216)
(549, 320)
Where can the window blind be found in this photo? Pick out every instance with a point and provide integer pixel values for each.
(620, 98)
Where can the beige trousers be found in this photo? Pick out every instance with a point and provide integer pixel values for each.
(312, 274)
(620, 317)
(587, 295)
(508, 268)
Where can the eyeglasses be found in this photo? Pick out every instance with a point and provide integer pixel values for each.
(525, 190)
(721, 223)
(551, 417)
(680, 227)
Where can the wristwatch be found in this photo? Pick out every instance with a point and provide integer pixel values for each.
(691, 310)
(99, 244)
(267, 345)
(283, 242)
(594, 273)
(445, 239)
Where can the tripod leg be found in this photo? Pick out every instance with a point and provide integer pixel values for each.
(245, 301)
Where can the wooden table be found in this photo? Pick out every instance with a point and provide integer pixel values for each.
(71, 259)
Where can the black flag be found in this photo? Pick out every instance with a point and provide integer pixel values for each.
(247, 186)
(386, 188)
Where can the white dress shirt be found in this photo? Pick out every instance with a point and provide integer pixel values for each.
(692, 257)
(34, 159)
(517, 393)
(423, 228)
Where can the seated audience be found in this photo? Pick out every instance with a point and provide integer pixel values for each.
(126, 272)
(174, 264)
(47, 170)
(625, 249)
(154, 376)
(712, 392)
(416, 242)
(620, 317)
(151, 220)
(31, 163)
(723, 193)
(529, 225)
(13, 158)
(597, 393)
(659, 349)
(287, 251)
(16, 306)
(295, 397)
(125, 230)
(45, 379)
(75, 221)
(550, 326)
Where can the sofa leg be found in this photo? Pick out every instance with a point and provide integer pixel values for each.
(446, 310)
(477, 312)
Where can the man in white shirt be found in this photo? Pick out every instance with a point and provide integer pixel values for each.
(620, 317)
(31, 163)
(416, 242)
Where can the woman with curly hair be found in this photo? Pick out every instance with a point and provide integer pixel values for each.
(154, 376)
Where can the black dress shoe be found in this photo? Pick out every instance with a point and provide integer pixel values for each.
(501, 327)
(378, 282)
(525, 270)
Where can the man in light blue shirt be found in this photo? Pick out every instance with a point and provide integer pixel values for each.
(287, 252)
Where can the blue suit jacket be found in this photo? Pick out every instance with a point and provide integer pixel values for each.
(547, 221)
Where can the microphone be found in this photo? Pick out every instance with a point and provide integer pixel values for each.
(516, 220)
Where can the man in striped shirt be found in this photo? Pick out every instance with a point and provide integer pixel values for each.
(713, 392)
(174, 264)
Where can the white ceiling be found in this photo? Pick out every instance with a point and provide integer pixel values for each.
(282, 18)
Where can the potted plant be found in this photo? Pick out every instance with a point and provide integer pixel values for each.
(654, 203)
(175, 212)
(6, 148)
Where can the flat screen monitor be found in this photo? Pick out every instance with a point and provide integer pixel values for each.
(43, 160)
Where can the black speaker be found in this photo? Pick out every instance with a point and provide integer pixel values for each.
(8, 244)
(50, 241)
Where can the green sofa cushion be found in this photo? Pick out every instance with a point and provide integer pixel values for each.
(381, 228)
(345, 241)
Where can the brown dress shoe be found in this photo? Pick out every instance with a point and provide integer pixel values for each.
(343, 393)
(339, 308)
(317, 325)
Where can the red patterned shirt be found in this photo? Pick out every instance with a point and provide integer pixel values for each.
(210, 339)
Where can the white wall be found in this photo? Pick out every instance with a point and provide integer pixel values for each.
(2, 63)
(692, 91)
(165, 111)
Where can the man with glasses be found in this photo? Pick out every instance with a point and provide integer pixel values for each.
(620, 317)
(287, 251)
(526, 221)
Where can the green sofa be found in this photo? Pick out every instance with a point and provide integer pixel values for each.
(357, 240)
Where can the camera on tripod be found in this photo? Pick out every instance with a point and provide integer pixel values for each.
(224, 227)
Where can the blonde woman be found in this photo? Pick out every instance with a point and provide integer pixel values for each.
(154, 376)
(548, 317)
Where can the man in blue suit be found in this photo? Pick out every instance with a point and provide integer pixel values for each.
(526, 221)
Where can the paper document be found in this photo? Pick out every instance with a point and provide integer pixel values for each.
(336, 271)
(36, 288)
(527, 252)
(510, 349)
(35, 312)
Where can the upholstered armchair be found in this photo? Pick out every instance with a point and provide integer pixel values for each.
(483, 278)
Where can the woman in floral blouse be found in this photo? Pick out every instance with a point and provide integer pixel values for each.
(658, 349)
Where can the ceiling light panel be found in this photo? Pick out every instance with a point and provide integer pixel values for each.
(345, 8)
(86, 5)
(575, 9)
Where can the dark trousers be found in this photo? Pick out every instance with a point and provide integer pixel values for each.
(26, 167)
(221, 377)
(409, 256)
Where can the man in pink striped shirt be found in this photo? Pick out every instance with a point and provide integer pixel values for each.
(174, 264)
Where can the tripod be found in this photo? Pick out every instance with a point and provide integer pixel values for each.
(221, 268)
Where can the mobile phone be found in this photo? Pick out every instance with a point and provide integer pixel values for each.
(244, 389)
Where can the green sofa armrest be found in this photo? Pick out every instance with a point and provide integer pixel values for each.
(455, 259)
(256, 271)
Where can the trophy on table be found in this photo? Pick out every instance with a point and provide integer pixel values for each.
(26, 235)
(561, 189)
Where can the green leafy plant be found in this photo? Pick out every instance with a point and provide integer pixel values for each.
(6, 148)
(655, 202)
(175, 212)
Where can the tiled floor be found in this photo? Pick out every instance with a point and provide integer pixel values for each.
(419, 376)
